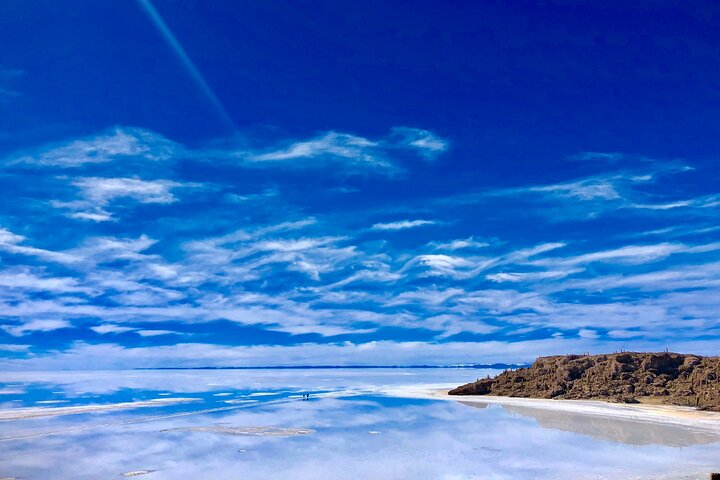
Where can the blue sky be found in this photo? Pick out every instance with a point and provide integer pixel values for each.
(248, 183)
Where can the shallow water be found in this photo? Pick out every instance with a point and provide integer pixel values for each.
(233, 424)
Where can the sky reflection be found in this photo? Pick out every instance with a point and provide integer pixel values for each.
(348, 430)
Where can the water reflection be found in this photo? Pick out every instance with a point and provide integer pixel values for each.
(345, 430)
(613, 429)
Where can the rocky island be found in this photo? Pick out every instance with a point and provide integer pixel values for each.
(628, 377)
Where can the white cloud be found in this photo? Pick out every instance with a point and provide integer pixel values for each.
(98, 193)
(525, 253)
(99, 216)
(662, 206)
(332, 145)
(426, 296)
(594, 188)
(496, 302)
(591, 196)
(459, 244)
(587, 333)
(516, 277)
(425, 142)
(605, 189)
(239, 236)
(347, 151)
(40, 325)
(329, 309)
(7, 347)
(147, 295)
(632, 254)
(92, 251)
(442, 265)
(9, 238)
(403, 224)
(24, 279)
(155, 333)
(228, 276)
(250, 197)
(466, 267)
(450, 324)
(225, 277)
(110, 328)
(372, 272)
(10, 243)
(706, 201)
(353, 152)
(665, 280)
(312, 256)
(292, 244)
(118, 143)
(104, 190)
(624, 334)
(96, 250)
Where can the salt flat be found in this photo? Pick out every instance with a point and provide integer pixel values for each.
(392, 423)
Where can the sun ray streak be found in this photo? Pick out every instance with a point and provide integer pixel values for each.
(186, 61)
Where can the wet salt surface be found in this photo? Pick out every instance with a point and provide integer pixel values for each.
(261, 427)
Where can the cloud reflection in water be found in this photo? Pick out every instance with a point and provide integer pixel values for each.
(361, 435)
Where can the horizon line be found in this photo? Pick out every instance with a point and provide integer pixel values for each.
(319, 367)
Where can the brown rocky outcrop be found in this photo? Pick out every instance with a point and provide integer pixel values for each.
(667, 378)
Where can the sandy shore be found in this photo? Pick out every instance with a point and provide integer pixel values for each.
(667, 414)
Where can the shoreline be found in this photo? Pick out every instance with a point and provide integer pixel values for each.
(663, 414)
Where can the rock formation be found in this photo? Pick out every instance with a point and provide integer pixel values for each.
(667, 378)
